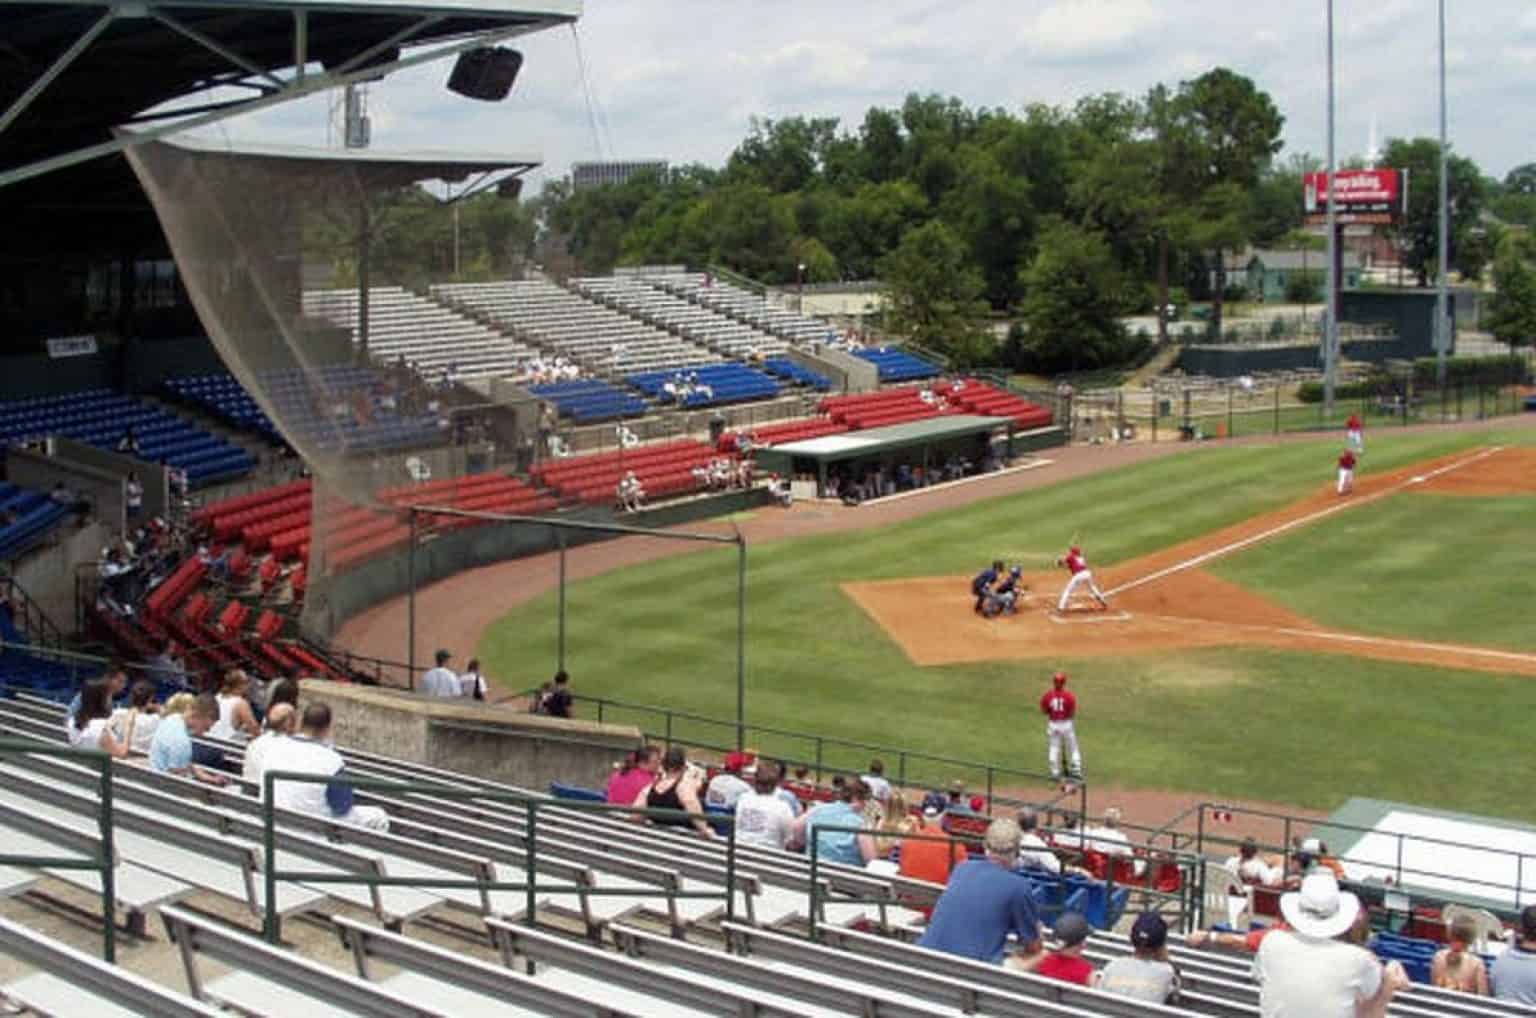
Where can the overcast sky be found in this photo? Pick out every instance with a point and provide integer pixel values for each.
(679, 79)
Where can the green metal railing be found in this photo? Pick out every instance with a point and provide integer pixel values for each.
(807, 750)
(531, 888)
(103, 861)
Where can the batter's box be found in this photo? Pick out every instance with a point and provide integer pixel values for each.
(1087, 618)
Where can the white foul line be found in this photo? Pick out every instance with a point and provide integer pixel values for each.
(1383, 641)
(1299, 522)
(1122, 616)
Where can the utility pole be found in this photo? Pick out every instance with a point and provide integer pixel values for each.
(1330, 314)
(1442, 301)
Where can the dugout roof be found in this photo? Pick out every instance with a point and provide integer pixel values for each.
(856, 445)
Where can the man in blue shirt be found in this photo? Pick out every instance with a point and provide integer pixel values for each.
(1514, 971)
(985, 901)
(170, 751)
(842, 846)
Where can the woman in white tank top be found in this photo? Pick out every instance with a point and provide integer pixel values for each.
(236, 721)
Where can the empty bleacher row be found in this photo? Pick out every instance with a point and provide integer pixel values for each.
(26, 517)
(895, 365)
(597, 337)
(743, 305)
(101, 417)
(706, 327)
(663, 470)
(433, 339)
(590, 399)
(181, 840)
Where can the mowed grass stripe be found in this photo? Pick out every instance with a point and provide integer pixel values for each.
(664, 633)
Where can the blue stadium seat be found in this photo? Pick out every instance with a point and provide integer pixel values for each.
(575, 793)
(895, 365)
(787, 369)
(586, 400)
(712, 384)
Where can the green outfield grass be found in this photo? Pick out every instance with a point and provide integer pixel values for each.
(1299, 728)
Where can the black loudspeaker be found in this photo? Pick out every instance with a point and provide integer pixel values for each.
(486, 74)
(511, 188)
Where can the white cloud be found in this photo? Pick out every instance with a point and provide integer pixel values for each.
(677, 79)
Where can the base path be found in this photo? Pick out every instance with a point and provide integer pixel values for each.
(1166, 601)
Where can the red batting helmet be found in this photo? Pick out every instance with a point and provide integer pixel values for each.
(1060, 678)
(1074, 550)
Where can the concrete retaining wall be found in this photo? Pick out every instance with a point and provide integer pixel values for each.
(486, 740)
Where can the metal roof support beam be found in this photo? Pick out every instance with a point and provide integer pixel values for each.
(215, 47)
(397, 39)
(296, 90)
(300, 44)
(60, 65)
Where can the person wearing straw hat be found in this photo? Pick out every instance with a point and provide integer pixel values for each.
(1306, 972)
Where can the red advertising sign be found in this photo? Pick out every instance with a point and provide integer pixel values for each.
(1361, 196)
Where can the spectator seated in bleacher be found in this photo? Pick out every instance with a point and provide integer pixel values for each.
(763, 818)
(133, 495)
(1514, 971)
(1455, 967)
(116, 678)
(1108, 839)
(630, 493)
(1253, 868)
(1308, 970)
(847, 812)
(185, 717)
(237, 721)
(217, 565)
(1146, 974)
(879, 787)
(135, 724)
(675, 787)
(129, 445)
(282, 721)
(726, 788)
(930, 860)
(984, 903)
(90, 723)
(1313, 852)
(309, 752)
(633, 776)
(627, 439)
(1034, 853)
(894, 820)
(1065, 964)
(169, 667)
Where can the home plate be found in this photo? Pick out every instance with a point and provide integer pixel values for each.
(1417, 480)
(1072, 619)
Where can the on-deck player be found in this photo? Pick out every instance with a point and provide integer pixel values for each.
(1077, 565)
(981, 586)
(1354, 436)
(1060, 708)
(1346, 472)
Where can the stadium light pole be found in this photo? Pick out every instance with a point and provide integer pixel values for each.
(1442, 300)
(1330, 327)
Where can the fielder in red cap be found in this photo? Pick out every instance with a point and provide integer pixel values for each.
(1060, 708)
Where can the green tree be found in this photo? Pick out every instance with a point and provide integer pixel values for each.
(1073, 297)
(1511, 314)
(1419, 232)
(1236, 132)
(934, 294)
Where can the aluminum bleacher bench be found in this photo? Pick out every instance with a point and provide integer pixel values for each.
(271, 981)
(71, 983)
(579, 968)
(469, 988)
(14, 881)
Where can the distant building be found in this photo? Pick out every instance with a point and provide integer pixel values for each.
(1266, 275)
(586, 175)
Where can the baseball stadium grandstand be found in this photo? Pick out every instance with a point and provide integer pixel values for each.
(285, 495)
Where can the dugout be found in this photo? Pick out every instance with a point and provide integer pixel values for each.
(927, 445)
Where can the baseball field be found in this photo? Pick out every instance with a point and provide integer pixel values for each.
(1267, 640)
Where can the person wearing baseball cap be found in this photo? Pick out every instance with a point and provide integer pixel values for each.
(442, 680)
(1306, 970)
(1146, 974)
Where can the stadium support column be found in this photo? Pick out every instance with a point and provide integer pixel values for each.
(1442, 326)
(410, 606)
(1330, 314)
(741, 641)
(560, 651)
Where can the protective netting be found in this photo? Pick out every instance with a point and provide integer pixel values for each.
(312, 274)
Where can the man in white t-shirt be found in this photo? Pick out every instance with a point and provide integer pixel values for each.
(727, 787)
(763, 818)
(310, 752)
(1034, 853)
(879, 787)
(1304, 972)
(281, 721)
(441, 681)
(1253, 868)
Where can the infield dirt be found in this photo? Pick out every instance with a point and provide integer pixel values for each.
(1165, 601)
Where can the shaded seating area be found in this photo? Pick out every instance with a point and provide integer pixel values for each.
(220, 395)
(101, 417)
(30, 516)
(783, 367)
(587, 400)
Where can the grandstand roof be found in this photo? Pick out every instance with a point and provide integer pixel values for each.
(74, 69)
(407, 165)
(857, 444)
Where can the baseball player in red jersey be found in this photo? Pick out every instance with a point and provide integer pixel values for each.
(1077, 565)
(1060, 708)
(1354, 434)
(1346, 472)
